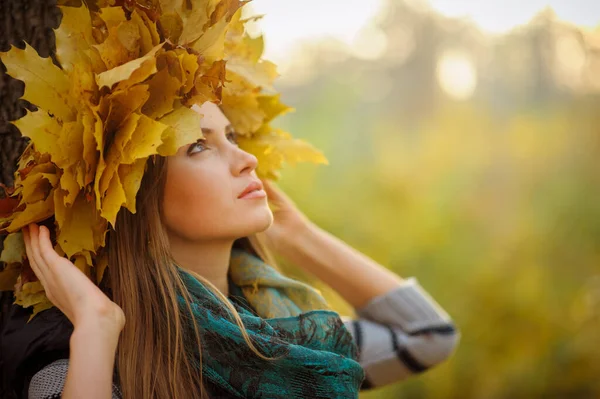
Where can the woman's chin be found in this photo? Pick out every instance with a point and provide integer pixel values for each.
(263, 220)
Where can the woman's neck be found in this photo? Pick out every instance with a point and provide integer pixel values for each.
(208, 259)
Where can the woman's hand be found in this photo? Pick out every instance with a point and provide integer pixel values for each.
(288, 219)
(68, 288)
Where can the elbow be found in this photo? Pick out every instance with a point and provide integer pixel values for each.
(440, 347)
(448, 346)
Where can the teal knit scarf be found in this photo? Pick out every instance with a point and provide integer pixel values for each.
(288, 320)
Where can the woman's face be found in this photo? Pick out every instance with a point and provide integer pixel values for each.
(204, 182)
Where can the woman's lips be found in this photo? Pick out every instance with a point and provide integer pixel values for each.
(254, 186)
(254, 194)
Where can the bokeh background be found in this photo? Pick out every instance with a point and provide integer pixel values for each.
(463, 139)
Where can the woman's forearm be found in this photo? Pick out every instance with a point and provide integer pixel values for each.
(355, 276)
(91, 364)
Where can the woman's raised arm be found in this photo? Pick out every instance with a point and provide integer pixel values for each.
(401, 330)
(96, 319)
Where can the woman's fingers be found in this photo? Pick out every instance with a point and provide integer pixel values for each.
(29, 251)
(50, 260)
(270, 189)
(46, 250)
(35, 247)
(273, 194)
(67, 287)
(38, 264)
(277, 196)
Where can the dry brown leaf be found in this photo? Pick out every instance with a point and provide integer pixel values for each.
(9, 276)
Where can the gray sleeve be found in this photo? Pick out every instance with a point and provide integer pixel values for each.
(401, 333)
(48, 383)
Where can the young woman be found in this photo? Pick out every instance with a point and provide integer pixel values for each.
(191, 308)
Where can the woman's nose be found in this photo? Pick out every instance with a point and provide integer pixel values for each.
(245, 162)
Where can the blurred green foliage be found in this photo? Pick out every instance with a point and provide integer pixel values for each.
(492, 203)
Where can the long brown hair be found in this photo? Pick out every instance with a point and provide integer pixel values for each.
(152, 360)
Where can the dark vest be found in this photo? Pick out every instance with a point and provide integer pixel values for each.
(26, 348)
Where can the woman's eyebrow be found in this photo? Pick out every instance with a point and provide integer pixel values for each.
(207, 130)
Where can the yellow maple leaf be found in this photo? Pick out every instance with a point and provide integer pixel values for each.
(243, 54)
(43, 130)
(131, 179)
(211, 43)
(145, 140)
(272, 106)
(225, 10)
(164, 91)
(139, 138)
(74, 233)
(131, 72)
(115, 153)
(32, 294)
(70, 185)
(184, 128)
(74, 38)
(114, 198)
(92, 141)
(273, 147)
(122, 103)
(172, 26)
(14, 249)
(35, 212)
(112, 16)
(83, 83)
(38, 185)
(46, 85)
(69, 144)
(240, 105)
(209, 85)
(189, 65)
(121, 45)
(149, 37)
(261, 74)
(192, 17)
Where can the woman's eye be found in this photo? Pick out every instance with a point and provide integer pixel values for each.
(198, 146)
(233, 137)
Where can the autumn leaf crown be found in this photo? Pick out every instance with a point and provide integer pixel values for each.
(127, 78)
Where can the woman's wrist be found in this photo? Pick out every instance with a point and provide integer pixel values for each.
(303, 246)
(296, 239)
(93, 348)
(355, 276)
(105, 315)
(98, 331)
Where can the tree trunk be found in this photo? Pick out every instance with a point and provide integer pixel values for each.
(21, 21)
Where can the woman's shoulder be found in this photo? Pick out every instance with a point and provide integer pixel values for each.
(48, 383)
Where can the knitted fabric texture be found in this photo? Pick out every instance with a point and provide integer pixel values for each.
(316, 354)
